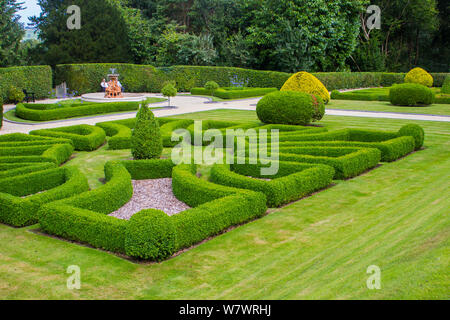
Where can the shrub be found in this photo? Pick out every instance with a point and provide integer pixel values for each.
(146, 142)
(319, 108)
(446, 86)
(150, 236)
(48, 112)
(84, 137)
(37, 79)
(286, 107)
(120, 135)
(54, 184)
(307, 83)
(411, 94)
(1, 112)
(169, 91)
(15, 95)
(415, 131)
(211, 86)
(419, 76)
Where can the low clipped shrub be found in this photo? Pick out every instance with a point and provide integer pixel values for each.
(411, 94)
(307, 83)
(419, 76)
(233, 93)
(84, 137)
(415, 131)
(1, 112)
(446, 85)
(211, 86)
(15, 94)
(287, 107)
(120, 135)
(150, 236)
(146, 141)
(49, 112)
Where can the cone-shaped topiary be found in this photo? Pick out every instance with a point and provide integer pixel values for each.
(419, 76)
(446, 86)
(307, 83)
(146, 141)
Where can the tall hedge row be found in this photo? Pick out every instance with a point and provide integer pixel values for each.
(37, 79)
(140, 78)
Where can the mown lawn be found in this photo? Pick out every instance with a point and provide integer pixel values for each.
(380, 106)
(395, 217)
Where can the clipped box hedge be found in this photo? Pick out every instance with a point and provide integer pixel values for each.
(53, 112)
(293, 181)
(83, 218)
(84, 137)
(20, 199)
(86, 78)
(37, 79)
(233, 93)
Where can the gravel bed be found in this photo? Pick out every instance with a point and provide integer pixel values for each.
(151, 194)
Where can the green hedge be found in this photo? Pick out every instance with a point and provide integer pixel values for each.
(30, 112)
(411, 94)
(233, 93)
(137, 78)
(37, 79)
(84, 137)
(8, 170)
(86, 78)
(1, 113)
(54, 184)
(294, 180)
(57, 153)
(120, 135)
(83, 217)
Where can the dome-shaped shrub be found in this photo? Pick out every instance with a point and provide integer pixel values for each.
(446, 85)
(150, 235)
(419, 76)
(289, 107)
(307, 83)
(415, 131)
(411, 94)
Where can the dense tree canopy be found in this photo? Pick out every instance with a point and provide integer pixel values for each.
(11, 32)
(283, 35)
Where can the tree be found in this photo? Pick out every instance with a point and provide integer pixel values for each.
(103, 36)
(169, 90)
(146, 141)
(11, 32)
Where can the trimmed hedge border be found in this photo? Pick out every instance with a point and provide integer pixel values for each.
(84, 78)
(84, 137)
(233, 93)
(37, 79)
(31, 112)
(54, 183)
(83, 217)
(294, 180)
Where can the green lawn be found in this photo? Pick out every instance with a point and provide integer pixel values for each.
(437, 109)
(395, 217)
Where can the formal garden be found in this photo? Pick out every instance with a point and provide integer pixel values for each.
(112, 194)
(224, 150)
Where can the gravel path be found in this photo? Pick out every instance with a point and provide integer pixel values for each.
(151, 194)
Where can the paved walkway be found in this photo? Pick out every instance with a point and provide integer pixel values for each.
(190, 104)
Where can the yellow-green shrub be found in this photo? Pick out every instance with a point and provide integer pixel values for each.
(307, 83)
(420, 76)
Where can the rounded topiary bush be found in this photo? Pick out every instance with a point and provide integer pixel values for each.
(419, 76)
(411, 94)
(307, 83)
(415, 131)
(289, 107)
(146, 140)
(446, 85)
(150, 235)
